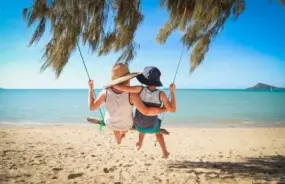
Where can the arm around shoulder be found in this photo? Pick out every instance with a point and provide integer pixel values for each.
(148, 111)
(129, 89)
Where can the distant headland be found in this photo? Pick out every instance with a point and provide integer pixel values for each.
(262, 86)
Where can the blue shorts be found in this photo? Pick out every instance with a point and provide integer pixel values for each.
(150, 131)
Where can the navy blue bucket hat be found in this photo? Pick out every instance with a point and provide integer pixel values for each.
(150, 76)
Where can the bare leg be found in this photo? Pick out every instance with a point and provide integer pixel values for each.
(118, 136)
(161, 142)
(123, 134)
(141, 138)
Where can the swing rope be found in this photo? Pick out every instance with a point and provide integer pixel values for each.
(174, 78)
(101, 113)
(178, 65)
(83, 62)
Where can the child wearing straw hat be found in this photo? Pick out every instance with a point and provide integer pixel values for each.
(119, 104)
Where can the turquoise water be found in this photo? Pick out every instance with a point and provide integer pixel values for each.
(194, 108)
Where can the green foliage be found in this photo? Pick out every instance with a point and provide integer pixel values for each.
(199, 20)
(70, 20)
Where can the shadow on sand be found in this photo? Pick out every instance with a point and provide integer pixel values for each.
(269, 168)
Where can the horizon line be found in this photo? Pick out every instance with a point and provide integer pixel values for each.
(103, 88)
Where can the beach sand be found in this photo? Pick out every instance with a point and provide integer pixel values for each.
(82, 154)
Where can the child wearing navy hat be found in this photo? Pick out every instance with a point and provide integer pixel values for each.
(151, 97)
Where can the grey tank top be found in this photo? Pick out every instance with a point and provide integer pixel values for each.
(150, 99)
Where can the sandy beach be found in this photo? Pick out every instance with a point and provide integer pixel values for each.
(82, 154)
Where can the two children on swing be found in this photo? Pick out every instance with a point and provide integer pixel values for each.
(119, 98)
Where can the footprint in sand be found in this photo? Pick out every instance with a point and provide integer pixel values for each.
(106, 170)
(38, 156)
(27, 175)
(112, 168)
(57, 169)
(7, 151)
(13, 166)
(76, 175)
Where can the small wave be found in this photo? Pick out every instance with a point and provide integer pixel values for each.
(280, 123)
(20, 123)
(38, 123)
(75, 106)
(248, 122)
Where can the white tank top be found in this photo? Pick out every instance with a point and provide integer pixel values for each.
(119, 111)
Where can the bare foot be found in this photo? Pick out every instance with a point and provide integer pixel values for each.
(94, 121)
(163, 131)
(165, 155)
(138, 145)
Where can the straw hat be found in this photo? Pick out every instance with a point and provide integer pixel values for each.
(120, 73)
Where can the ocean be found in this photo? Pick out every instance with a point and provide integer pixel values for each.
(195, 108)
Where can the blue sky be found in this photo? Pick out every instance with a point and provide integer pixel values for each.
(246, 52)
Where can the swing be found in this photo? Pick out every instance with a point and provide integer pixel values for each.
(101, 122)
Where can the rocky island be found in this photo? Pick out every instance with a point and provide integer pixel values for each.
(261, 86)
